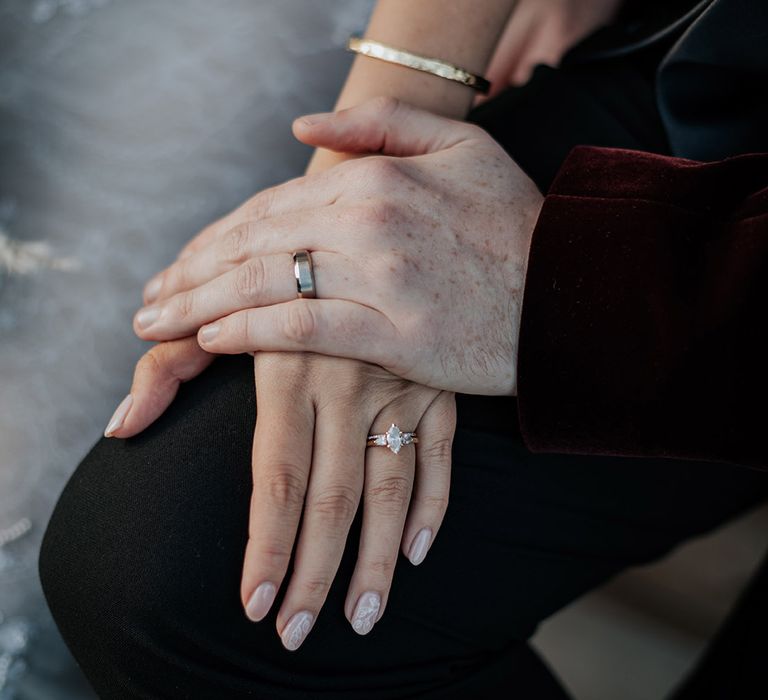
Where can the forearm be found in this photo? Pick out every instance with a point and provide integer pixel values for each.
(462, 32)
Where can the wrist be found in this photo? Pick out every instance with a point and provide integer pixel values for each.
(520, 262)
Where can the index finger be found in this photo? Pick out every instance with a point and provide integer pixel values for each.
(282, 452)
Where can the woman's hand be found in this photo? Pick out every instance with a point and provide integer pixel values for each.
(542, 31)
(419, 259)
(310, 462)
(316, 411)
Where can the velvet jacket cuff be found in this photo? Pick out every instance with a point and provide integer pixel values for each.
(644, 318)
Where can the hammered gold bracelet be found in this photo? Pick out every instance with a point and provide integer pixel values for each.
(375, 49)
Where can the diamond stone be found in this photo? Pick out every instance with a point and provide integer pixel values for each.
(394, 438)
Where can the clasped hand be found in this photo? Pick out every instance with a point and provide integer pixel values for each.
(419, 254)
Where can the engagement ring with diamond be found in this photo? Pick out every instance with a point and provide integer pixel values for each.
(394, 439)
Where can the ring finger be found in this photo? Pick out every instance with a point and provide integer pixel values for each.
(242, 241)
(386, 497)
(261, 281)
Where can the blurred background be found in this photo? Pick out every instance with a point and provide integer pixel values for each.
(125, 126)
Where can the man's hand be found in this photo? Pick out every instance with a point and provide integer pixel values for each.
(419, 256)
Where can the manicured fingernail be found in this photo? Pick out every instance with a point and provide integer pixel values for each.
(208, 333)
(261, 601)
(146, 317)
(152, 289)
(312, 119)
(364, 617)
(297, 629)
(419, 546)
(118, 417)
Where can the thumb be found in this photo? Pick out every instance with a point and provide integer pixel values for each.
(156, 380)
(382, 125)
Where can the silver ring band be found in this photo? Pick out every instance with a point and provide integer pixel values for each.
(394, 439)
(304, 273)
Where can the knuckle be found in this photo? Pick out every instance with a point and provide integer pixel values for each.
(377, 213)
(275, 558)
(337, 505)
(316, 586)
(385, 104)
(236, 243)
(391, 493)
(381, 566)
(300, 323)
(437, 451)
(347, 170)
(185, 304)
(157, 365)
(260, 206)
(382, 171)
(150, 363)
(436, 504)
(285, 487)
(249, 280)
(474, 131)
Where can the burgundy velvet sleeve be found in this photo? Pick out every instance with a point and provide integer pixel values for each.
(645, 309)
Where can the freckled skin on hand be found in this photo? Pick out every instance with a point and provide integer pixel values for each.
(435, 246)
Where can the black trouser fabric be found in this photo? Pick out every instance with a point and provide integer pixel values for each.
(142, 558)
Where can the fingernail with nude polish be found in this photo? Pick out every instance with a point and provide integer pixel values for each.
(261, 601)
(146, 317)
(118, 417)
(366, 612)
(419, 547)
(297, 629)
(152, 290)
(208, 333)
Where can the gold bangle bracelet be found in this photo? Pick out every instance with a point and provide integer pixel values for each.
(375, 49)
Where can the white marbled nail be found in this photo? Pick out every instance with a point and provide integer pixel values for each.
(118, 417)
(366, 611)
(297, 629)
(419, 546)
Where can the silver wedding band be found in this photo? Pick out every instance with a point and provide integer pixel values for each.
(305, 277)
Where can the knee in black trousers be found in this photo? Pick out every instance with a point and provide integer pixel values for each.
(141, 567)
(141, 561)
